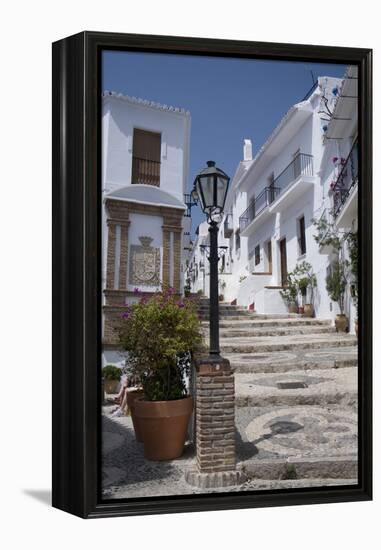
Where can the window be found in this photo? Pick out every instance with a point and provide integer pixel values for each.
(257, 255)
(146, 157)
(222, 263)
(302, 235)
(237, 240)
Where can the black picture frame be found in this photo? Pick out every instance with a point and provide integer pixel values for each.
(77, 284)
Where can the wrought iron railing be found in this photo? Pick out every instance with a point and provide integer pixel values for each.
(256, 206)
(347, 179)
(302, 165)
(228, 226)
(189, 202)
(145, 171)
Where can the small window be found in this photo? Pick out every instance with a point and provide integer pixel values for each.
(302, 235)
(237, 240)
(146, 157)
(257, 255)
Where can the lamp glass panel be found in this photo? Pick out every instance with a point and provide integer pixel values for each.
(207, 184)
(221, 192)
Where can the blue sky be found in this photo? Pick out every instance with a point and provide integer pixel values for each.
(229, 99)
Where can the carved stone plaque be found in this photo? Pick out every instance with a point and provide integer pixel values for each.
(144, 263)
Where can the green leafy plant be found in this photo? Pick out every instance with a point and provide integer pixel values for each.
(336, 283)
(327, 233)
(159, 334)
(111, 372)
(290, 292)
(352, 243)
(187, 287)
(305, 279)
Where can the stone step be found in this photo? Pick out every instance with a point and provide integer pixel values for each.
(288, 322)
(344, 468)
(297, 388)
(257, 484)
(257, 344)
(248, 315)
(274, 331)
(301, 359)
(227, 313)
(222, 306)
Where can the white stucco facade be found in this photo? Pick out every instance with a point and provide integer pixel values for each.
(145, 221)
(280, 191)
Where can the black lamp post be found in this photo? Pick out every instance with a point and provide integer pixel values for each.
(210, 188)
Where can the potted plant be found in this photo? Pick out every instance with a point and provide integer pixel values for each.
(290, 294)
(306, 280)
(159, 333)
(132, 396)
(336, 283)
(222, 286)
(352, 244)
(111, 375)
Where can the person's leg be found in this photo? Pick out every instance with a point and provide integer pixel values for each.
(120, 411)
(119, 397)
(123, 404)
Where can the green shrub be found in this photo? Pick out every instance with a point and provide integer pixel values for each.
(159, 334)
(290, 292)
(336, 282)
(111, 372)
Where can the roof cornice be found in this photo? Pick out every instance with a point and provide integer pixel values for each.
(145, 103)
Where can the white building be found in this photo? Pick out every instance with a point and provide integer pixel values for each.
(274, 196)
(146, 223)
(339, 170)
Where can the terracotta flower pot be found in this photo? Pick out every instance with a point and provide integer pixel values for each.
(308, 310)
(341, 323)
(164, 426)
(301, 310)
(131, 398)
(111, 386)
(293, 308)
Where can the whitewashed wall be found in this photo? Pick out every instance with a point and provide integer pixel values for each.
(120, 117)
(306, 136)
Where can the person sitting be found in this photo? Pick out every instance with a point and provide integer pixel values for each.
(121, 398)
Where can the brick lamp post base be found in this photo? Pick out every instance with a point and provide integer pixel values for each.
(215, 425)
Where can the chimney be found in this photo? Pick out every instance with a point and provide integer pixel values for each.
(247, 149)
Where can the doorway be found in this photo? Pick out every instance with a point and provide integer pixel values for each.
(269, 257)
(283, 262)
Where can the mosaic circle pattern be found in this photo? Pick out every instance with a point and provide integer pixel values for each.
(305, 431)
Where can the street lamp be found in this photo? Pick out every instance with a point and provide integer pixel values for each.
(210, 188)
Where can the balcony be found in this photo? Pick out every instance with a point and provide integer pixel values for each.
(257, 209)
(295, 179)
(145, 171)
(345, 190)
(228, 226)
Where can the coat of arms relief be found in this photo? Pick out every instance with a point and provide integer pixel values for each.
(144, 263)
